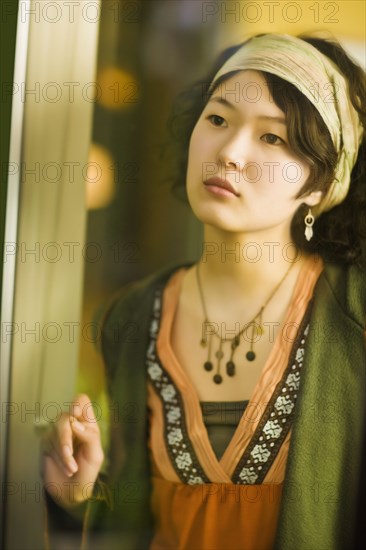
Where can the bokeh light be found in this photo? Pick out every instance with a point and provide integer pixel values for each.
(117, 88)
(99, 174)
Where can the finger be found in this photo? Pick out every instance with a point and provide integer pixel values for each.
(87, 413)
(83, 409)
(92, 448)
(54, 482)
(62, 442)
(51, 457)
(50, 450)
(85, 433)
(78, 403)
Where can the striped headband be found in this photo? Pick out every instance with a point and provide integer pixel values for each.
(320, 80)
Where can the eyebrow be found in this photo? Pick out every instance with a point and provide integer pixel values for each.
(227, 103)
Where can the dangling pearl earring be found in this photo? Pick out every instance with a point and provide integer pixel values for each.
(309, 222)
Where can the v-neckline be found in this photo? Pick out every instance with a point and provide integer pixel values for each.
(222, 468)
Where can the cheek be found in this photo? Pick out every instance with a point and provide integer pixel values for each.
(192, 147)
(196, 136)
(296, 171)
(197, 153)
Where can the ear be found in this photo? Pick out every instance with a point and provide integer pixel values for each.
(314, 198)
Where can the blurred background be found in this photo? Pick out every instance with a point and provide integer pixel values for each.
(90, 85)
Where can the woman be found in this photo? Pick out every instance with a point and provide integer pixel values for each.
(268, 324)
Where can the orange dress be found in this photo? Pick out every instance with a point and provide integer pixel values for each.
(201, 502)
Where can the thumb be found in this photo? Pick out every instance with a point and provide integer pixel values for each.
(83, 409)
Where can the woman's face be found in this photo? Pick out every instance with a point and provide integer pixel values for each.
(241, 136)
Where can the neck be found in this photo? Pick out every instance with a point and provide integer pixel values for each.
(247, 262)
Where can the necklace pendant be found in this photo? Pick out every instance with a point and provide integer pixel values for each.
(219, 354)
(203, 343)
(235, 343)
(208, 365)
(250, 355)
(217, 378)
(230, 368)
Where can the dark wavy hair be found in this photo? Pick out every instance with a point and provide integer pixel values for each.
(340, 233)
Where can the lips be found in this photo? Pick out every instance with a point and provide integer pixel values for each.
(221, 183)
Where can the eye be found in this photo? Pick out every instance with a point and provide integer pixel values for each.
(215, 120)
(272, 139)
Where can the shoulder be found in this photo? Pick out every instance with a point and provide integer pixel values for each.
(140, 292)
(347, 285)
(131, 303)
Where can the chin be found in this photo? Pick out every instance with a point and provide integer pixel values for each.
(221, 223)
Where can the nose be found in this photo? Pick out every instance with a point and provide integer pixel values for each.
(234, 153)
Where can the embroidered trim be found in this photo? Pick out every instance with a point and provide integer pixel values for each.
(277, 418)
(178, 443)
(270, 433)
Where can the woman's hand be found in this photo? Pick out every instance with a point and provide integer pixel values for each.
(73, 454)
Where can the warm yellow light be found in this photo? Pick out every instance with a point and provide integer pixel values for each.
(99, 174)
(237, 21)
(117, 89)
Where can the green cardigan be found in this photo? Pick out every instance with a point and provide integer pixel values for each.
(324, 463)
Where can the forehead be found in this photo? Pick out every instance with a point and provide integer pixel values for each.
(243, 89)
